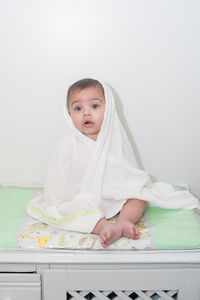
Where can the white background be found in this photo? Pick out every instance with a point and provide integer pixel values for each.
(148, 52)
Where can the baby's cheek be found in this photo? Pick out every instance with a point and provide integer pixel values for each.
(75, 120)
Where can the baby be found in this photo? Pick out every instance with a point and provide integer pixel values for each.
(93, 174)
(86, 106)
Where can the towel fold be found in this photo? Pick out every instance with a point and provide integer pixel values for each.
(88, 180)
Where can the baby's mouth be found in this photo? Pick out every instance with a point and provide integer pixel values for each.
(88, 124)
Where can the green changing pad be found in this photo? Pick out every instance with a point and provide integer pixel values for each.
(13, 203)
(173, 228)
(169, 228)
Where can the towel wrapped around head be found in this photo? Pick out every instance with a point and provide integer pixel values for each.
(88, 180)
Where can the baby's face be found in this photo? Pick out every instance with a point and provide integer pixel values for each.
(86, 108)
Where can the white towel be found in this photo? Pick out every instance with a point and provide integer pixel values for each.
(88, 180)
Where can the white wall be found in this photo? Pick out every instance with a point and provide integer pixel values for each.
(148, 51)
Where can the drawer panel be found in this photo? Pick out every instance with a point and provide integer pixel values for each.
(20, 286)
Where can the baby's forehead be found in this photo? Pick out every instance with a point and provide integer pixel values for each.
(89, 93)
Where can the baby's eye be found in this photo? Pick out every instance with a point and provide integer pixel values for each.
(95, 106)
(77, 108)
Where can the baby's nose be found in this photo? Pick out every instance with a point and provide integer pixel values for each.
(86, 111)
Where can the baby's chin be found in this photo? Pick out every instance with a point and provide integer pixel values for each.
(92, 136)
